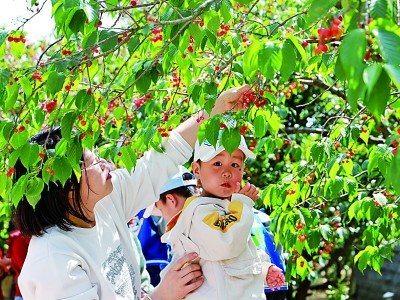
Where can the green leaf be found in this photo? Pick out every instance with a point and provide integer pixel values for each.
(298, 46)
(128, 157)
(12, 94)
(67, 124)
(74, 152)
(394, 74)
(62, 169)
(314, 239)
(326, 231)
(317, 152)
(394, 170)
(76, 20)
(212, 131)
(26, 86)
(378, 95)
(389, 42)
(230, 139)
(354, 210)
(55, 82)
(90, 39)
(18, 189)
(212, 21)
(250, 61)
(108, 40)
(289, 59)
(82, 99)
(269, 60)
(33, 190)
(118, 112)
(352, 52)
(19, 139)
(379, 9)
(259, 126)
(143, 83)
(30, 154)
(319, 8)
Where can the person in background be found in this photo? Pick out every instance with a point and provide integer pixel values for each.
(263, 239)
(79, 231)
(16, 252)
(149, 224)
(5, 265)
(148, 232)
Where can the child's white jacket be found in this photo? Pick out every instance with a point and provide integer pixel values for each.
(219, 231)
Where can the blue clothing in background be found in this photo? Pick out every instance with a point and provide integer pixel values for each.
(149, 231)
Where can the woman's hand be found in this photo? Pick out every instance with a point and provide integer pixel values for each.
(182, 278)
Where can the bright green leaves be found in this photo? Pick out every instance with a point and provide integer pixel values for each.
(389, 42)
(250, 61)
(269, 58)
(210, 130)
(18, 189)
(351, 55)
(378, 90)
(108, 40)
(67, 123)
(380, 9)
(34, 189)
(289, 61)
(393, 173)
(230, 139)
(55, 82)
(128, 157)
(370, 256)
(62, 169)
(369, 83)
(319, 8)
(29, 154)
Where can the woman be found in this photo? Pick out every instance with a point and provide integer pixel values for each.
(80, 246)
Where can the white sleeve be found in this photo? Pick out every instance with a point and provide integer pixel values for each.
(222, 234)
(140, 188)
(71, 282)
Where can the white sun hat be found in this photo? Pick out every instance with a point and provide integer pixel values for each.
(205, 152)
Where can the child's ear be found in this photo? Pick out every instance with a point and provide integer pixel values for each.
(196, 169)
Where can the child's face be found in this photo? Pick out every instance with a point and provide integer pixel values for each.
(221, 176)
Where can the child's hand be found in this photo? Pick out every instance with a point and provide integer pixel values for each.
(248, 190)
(232, 99)
(275, 277)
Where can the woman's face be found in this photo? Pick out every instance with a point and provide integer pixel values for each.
(96, 179)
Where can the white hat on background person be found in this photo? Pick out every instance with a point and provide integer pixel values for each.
(183, 178)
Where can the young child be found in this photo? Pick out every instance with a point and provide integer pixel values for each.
(217, 226)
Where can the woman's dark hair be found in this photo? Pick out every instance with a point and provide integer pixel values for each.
(54, 205)
(184, 191)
